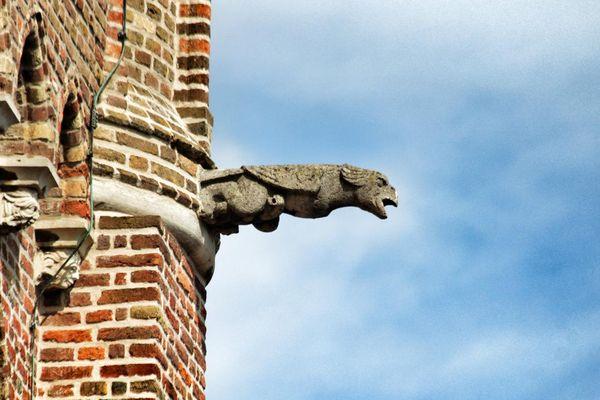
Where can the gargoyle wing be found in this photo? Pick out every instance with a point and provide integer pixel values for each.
(295, 178)
(218, 174)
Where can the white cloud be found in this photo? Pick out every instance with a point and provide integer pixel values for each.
(436, 301)
(348, 49)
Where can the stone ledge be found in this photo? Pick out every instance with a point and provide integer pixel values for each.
(62, 232)
(27, 172)
(9, 114)
(141, 208)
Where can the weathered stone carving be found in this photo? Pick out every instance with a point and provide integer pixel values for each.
(48, 263)
(18, 209)
(259, 195)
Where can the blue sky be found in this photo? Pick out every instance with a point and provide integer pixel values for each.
(485, 282)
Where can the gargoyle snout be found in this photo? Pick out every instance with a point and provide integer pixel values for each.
(391, 198)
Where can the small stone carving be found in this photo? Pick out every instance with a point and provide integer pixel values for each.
(259, 195)
(48, 264)
(18, 209)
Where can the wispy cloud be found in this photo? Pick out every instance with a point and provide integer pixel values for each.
(486, 282)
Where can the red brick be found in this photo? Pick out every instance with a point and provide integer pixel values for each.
(98, 316)
(56, 354)
(137, 260)
(62, 319)
(63, 373)
(86, 280)
(103, 242)
(142, 332)
(76, 207)
(194, 45)
(121, 314)
(114, 371)
(136, 222)
(91, 353)
(67, 171)
(139, 242)
(128, 295)
(67, 336)
(120, 278)
(120, 241)
(194, 10)
(145, 276)
(79, 300)
(116, 351)
(144, 350)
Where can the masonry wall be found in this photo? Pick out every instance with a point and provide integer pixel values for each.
(133, 325)
(17, 296)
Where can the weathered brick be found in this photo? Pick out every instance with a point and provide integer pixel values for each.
(136, 222)
(118, 388)
(121, 314)
(64, 373)
(139, 163)
(168, 173)
(60, 391)
(147, 350)
(145, 312)
(137, 143)
(116, 351)
(120, 278)
(128, 295)
(87, 280)
(109, 154)
(194, 10)
(115, 371)
(103, 242)
(143, 332)
(145, 276)
(68, 336)
(76, 207)
(95, 317)
(91, 353)
(136, 260)
(93, 389)
(62, 319)
(55, 354)
(120, 241)
(147, 386)
(79, 299)
(140, 242)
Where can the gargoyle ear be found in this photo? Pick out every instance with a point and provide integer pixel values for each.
(355, 176)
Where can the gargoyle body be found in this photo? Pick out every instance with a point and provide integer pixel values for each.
(259, 195)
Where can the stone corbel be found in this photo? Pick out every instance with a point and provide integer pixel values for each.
(22, 181)
(9, 114)
(57, 239)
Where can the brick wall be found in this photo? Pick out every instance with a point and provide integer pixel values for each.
(133, 325)
(53, 56)
(17, 297)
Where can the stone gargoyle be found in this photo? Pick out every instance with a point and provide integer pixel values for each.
(258, 195)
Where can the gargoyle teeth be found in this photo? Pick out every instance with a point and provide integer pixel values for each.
(390, 202)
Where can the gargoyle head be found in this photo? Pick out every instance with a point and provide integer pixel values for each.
(373, 191)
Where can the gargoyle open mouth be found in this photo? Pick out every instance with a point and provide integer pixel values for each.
(387, 200)
(390, 202)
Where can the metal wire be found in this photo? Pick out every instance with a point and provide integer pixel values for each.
(122, 37)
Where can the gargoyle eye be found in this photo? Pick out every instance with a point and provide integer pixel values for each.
(381, 182)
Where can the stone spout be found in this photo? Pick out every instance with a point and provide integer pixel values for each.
(258, 195)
